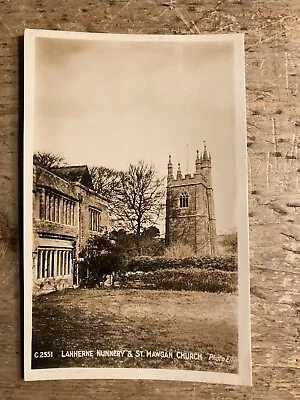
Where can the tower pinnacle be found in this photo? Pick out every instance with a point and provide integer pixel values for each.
(206, 165)
(170, 170)
(198, 163)
(179, 174)
(205, 153)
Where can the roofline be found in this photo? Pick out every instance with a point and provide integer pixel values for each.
(90, 190)
(51, 172)
(73, 183)
(72, 166)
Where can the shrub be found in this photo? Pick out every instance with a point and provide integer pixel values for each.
(147, 264)
(100, 258)
(204, 280)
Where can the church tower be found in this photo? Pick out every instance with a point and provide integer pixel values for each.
(190, 216)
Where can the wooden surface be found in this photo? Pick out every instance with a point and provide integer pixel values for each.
(272, 72)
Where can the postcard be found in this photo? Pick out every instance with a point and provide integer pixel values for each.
(135, 208)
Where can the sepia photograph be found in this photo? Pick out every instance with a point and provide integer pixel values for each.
(136, 218)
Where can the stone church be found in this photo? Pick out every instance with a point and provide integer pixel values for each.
(190, 216)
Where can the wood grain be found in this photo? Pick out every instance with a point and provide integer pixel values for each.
(272, 78)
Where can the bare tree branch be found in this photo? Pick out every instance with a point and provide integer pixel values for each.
(136, 196)
(49, 160)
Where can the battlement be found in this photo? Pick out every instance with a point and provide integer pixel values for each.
(201, 175)
(187, 179)
(202, 164)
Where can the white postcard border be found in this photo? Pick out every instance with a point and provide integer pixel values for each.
(244, 336)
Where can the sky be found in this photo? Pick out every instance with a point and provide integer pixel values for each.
(112, 103)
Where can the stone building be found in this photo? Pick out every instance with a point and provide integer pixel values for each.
(190, 217)
(66, 212)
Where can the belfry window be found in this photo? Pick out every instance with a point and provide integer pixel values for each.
(184, 200)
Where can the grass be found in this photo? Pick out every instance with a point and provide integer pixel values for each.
(128, 319)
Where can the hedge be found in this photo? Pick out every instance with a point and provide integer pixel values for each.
(204, 280)
(147, 264)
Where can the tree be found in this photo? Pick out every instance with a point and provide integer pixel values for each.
(151, 244)
(151, 232)
(127, 243)
(135, 196)
(49, 160)
(131, 245)
(106, 181)
(138, 202)
(100, 258)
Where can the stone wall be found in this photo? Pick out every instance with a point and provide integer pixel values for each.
(61, 238)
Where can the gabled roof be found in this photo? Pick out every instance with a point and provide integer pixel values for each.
(77, 174)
